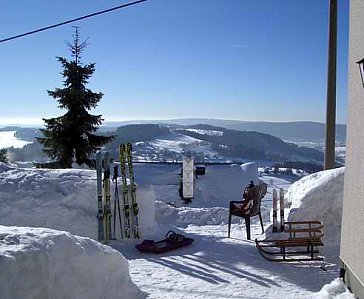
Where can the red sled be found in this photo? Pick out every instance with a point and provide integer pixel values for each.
(171, 242)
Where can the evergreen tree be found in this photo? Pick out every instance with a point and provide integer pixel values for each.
(3, 155)
(71, 137)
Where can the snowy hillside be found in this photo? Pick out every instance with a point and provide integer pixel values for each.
(292, 131)
(172, 147)
(153, 142)
(214, 266)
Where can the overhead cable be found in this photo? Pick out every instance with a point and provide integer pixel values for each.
(71, 21)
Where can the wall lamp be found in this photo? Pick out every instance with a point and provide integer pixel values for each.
(361, 68)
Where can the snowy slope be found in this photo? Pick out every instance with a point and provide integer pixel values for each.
(173, 147)
(44, 263)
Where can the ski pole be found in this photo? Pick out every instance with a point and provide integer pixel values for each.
(115, 179)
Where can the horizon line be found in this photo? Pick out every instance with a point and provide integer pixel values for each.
(37, 121)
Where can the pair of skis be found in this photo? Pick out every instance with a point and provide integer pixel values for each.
(103, 196)
(281, 209)
(131, 209)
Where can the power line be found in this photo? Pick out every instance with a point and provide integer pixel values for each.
(71, 21)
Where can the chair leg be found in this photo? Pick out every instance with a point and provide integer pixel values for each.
(229, 224)
(247, 225)
(261, 222)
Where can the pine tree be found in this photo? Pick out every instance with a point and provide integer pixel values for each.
(71, 137)
(3, 155)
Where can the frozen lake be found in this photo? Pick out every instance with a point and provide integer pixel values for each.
(8, 139)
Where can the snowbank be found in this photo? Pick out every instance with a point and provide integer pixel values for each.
(337, 289)
(44, 263)
(220, 184)
(185, 216)
(66, 199)
(223, 184)
(213, 192)
(60, 199)
(319, 197)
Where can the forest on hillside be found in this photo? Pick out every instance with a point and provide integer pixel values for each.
(254, 145)
(229, 144)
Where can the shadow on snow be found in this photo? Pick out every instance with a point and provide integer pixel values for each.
(210, 256)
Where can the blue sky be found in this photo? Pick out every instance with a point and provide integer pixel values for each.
(162, 59)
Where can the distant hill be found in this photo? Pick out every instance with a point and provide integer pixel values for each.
(207, 142)
(302, 131)
(293, 131)
(227, 143)
(142, 132)
(135, 133)
(252, 145)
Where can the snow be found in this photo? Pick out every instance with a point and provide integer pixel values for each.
(209, 191)
(8, 139)
(340, 152)
(206, 132)
(214, 266)
(44, 263)
(59, 199)
(176, 143)
(337, 289)
(319, 197)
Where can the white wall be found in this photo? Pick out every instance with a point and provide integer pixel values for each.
(352, 235)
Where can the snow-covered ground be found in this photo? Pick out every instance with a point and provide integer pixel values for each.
(8, 139)
(214, 266)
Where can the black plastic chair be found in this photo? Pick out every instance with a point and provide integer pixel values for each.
(259, 192)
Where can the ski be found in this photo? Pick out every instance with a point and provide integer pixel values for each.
(134, 204)
(117, 203)
(107, 209)
(100, 215)
(281, 208)
(275, 199)
(126, 208)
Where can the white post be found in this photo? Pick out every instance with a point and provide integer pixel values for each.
(187, 178)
